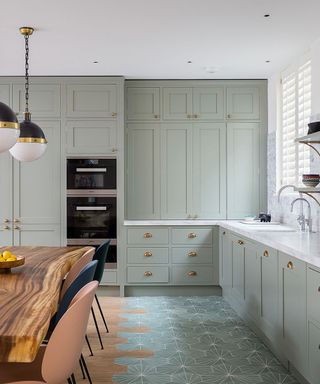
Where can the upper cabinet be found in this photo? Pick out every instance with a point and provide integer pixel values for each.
(199, 103)
(143, 103)
(44, 100)
(243, 103)
(5, 93)
(92, 100)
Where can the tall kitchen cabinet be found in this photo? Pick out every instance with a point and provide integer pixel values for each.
(195, 149)
(30, 201)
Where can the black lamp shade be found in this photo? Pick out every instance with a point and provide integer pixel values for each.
(7, 115)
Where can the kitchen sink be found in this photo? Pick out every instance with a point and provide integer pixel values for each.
(267, 227)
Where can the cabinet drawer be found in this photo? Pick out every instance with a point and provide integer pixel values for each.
(147, 275)
(192, 274)
(148, 235)
(313, 294)
(147, 255)
(195, 255)
(191, 235)
(109, 277)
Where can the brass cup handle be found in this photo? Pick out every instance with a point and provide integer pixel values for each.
(6, 227)
(265, 253)
(16, 220)
(192, 254)
(147, 235)
(290, 265)
(6, 220)
(148, 254)
(192, 235)
(241, 242)
(114, 150)
(156, 116)
(148, 273)
(192, 273)
(16, 227)
(114, 114)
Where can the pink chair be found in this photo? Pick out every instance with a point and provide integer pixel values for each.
(56, 362)
(76, 268)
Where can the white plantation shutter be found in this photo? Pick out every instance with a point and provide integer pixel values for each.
(296, 110)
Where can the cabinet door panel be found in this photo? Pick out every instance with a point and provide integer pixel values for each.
(225, 260)
(242, 169)
(5, 93)
(209, 170)
(252, 281)
(99, 100)
(38, 184)
(143, 180)
(314, 352)
(177, 103)
(37, 235)
(293, 288)
(143, 103)
(6, 200)
(238, 260)
(88, 137)
(176, 170)
(44, 100)
(243, 103)
(208, 103)
(313, 287)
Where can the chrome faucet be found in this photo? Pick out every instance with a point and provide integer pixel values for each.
(301, 218)
(284, 187)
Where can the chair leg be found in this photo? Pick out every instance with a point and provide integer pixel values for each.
(82, 370)
(101, 313)
(73, 379)
(69, 380)
(85, 368)
(89, 346)
(97, 328)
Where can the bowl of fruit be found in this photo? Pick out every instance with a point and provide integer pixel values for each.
(8, 260)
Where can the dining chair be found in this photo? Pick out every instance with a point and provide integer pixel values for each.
(63, 349)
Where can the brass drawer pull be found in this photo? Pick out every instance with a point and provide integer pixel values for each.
(192, 235)
(148, 254)
(241, 242)
(114, 114)
(290, 265)
(195, 116)
(156, 116)
(148, 273)
(16, 220)
(6, 221)
(192, 273)
(192, 254)
(147, 235)
(266, 253)
(16, 227)
(6, 227)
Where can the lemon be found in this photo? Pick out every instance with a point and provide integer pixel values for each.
(6, 254)
(11, 259)
(2, 259)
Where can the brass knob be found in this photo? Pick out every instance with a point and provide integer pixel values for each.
(114, 114)
(195, 116)
(228, 116)
(290, 265)
(192, 273)
(147, 235)
(192, 254)
(241, 242)
(16, 220)
(224, 232)
(114, 150)
(148, 273)
(156, 116)
(148, 254)
(192, 235)
(6, 220)
(266, 253)
(6, 227)
(16, 227)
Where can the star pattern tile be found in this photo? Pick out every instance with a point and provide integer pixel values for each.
(195, 340)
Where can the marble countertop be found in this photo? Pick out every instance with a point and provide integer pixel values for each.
(304, 246)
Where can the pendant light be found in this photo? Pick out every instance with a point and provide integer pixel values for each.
(31, 143)
(9, 128)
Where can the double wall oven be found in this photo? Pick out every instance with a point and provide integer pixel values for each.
(92, 203)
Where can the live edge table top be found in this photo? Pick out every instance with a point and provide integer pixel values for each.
(29, 298)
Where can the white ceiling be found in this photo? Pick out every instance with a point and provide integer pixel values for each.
(156, 38)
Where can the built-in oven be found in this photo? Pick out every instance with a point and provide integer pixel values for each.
(92, 203)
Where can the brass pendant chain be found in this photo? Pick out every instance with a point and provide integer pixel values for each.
(26, 37)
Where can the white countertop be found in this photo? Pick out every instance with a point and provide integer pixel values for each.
(304, 246)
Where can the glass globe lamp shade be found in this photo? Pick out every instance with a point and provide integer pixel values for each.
(9, 128)
(31, 144)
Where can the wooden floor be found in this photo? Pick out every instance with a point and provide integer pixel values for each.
(102, 365)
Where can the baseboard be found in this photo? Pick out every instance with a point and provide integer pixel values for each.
(172, 290)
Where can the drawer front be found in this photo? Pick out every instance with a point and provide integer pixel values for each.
(109, 277)
(148, 275)
(194, 255)
(192, 274)
(148, 235)
(147, 255)
(190, 235)
(313, 294)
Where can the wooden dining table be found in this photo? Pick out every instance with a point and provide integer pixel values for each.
(29, 298)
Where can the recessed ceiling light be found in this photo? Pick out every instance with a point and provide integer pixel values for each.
(95, 62)
(267, 61)
(189, 62)
(266, 15)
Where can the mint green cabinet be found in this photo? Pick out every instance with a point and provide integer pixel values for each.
(225, 261)
(176, 170)
(6, 201)
(177, 103)
(5, 93)
(143, 103)
(143, 171)
(238, 260)
(243, 165)
(293, 310)
(252, 288)
(313, 352)
(243, 103)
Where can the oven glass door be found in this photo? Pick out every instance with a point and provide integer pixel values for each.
(91, 217)
(91, 174)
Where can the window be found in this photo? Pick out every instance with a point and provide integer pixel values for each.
(296, 110)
